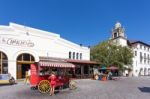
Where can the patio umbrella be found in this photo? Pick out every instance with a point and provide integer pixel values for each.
(103, 68)
(113, 68)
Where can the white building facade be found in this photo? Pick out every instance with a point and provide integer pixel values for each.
(21, 45)
(141, 60)
(141, 50)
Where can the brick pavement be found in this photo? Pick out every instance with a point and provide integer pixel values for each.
(125, 88)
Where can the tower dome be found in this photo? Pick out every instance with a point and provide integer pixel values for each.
(117, 25)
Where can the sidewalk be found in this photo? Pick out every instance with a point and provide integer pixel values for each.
(22, 82)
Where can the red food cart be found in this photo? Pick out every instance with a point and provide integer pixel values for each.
(41, 71)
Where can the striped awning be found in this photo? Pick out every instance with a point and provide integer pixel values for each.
(57, 64)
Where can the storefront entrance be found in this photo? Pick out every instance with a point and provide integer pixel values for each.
(25, 68)
(22, 70)
(83, 69)
(23, 64)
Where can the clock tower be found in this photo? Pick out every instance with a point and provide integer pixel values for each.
(118, 35)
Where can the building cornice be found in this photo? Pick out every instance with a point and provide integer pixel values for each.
(19, 30)
(136, 42)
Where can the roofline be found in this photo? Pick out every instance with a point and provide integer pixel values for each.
(35, 31)
(140, 42)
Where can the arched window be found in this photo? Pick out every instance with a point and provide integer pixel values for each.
(25, 57)
(115, 35)
(3, 63)
(69, 55)
(77, 55)
(73, 55)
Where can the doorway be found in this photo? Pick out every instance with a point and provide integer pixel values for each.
(23, 64)
(25, 68)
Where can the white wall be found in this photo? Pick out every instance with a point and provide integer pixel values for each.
(120, 41)
(45, 44)
(137, 65)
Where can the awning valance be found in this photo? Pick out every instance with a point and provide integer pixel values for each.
(57, 64)
(82, 61)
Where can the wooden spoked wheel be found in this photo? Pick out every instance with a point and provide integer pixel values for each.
(72, 85)
(44, 86)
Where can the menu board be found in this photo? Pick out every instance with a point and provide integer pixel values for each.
(34, 69)
(34, 74)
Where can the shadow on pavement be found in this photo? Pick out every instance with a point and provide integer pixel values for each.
(144, 89)
(7, 84)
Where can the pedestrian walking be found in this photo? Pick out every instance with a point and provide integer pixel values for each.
(27, 79)
(109, 77)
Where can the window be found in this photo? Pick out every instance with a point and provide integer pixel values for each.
(3, 63)
(80, 55)
(135, 53)
(141, 57)
(77, 55)
(144, 55)
(73, 55)
(144, 47)
(115, 35)
(148, 58)
(140, 46)
(69, 55)
(25, 57)
(144, 58)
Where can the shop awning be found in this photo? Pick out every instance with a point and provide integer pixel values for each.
(57, 64)
(113, 68)
(81, 61)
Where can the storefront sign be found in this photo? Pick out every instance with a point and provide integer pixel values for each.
(16, 42)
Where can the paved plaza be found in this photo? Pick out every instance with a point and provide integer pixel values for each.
(125, 88)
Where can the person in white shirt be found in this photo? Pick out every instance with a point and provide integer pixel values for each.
(27, 79)
(29, 72)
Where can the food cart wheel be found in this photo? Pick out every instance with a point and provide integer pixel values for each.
(72, 84)
(44, 86)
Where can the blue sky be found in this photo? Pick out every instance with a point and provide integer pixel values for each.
(86, 22)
